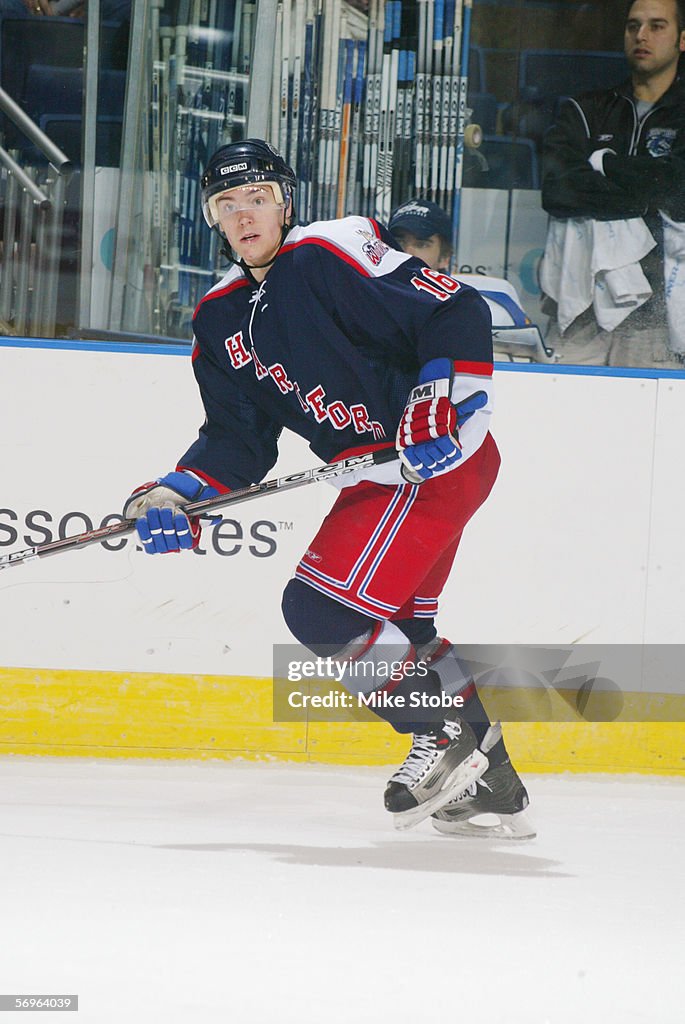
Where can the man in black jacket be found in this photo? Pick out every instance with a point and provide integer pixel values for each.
(618, 155)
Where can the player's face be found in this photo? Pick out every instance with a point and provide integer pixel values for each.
(652, 41)
(252, 219)
(428, 250)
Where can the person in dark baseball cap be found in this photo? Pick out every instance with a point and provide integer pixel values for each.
(423, 229)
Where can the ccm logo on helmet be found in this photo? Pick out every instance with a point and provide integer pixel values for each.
(233, 167)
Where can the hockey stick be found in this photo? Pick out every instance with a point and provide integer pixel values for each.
(276, 84)
(209, 505)
(353, 180)
(448, 45)
(285, 74)
(344, 155)
(335, 134)
(455, 90)
(461, 124)
(369, 99)
(295, 115)
(304, 160)
(420, 101)
(435, 88)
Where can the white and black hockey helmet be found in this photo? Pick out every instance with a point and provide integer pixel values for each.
(244, 163)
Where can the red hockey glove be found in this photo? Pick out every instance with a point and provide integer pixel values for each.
(428, 434)
(428, 437)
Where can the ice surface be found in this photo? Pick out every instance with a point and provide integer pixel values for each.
(199, 893)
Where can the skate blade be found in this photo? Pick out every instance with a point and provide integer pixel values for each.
(464, 775)
(510, 826)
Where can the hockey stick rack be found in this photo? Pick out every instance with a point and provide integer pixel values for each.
(209, 506)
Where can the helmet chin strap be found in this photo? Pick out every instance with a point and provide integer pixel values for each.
(260, 266)
(226, 251)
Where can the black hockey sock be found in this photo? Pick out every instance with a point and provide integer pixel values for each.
(418, 631)
(473, 712)
(410, 704)
(456, 682)
(497, 754)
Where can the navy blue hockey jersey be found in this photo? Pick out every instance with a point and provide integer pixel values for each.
(329, 346)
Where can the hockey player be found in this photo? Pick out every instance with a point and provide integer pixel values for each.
(332, 332)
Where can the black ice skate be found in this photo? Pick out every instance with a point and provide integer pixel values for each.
(498, 792)
(439, 765)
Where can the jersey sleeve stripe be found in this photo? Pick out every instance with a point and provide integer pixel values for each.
(462, 366)
(325, 243)
(221, 488)
(216, 294)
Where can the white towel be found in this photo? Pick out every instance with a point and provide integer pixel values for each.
(596, 263)
(674, 281)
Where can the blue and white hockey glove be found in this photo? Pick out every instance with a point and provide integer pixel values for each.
(161, 524)
(428, 434)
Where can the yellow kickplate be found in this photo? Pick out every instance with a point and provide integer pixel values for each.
(140, 714)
